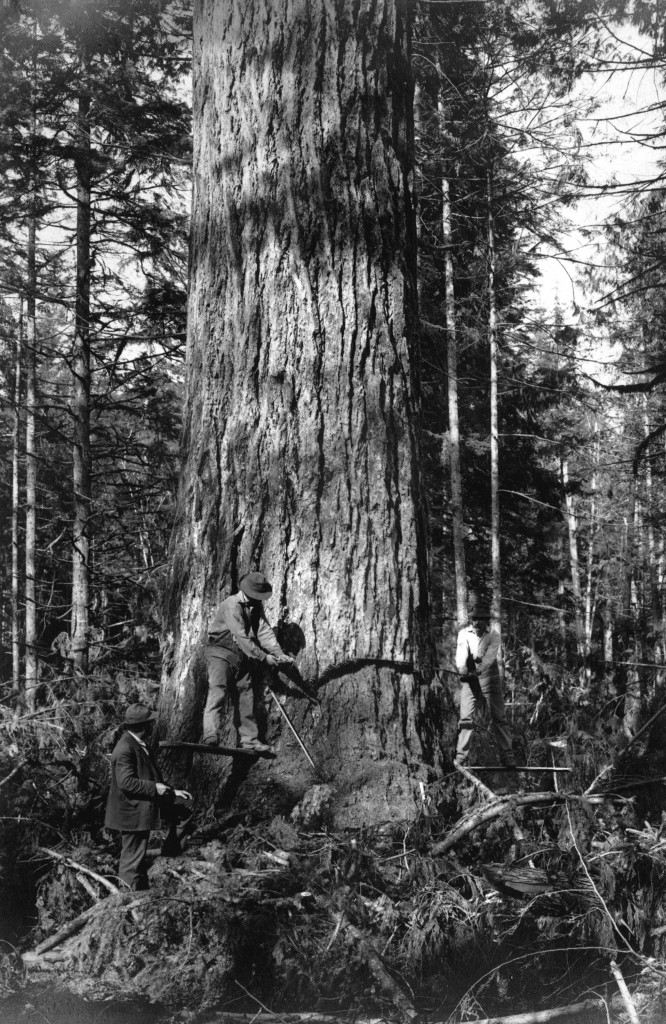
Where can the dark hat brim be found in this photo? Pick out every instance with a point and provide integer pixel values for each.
(253, 592)
(152, 717)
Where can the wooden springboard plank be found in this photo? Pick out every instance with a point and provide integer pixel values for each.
(518, 768)
(207, 748)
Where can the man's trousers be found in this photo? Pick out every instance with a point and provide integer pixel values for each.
(487, 688)
(133, 869)
(234, 680)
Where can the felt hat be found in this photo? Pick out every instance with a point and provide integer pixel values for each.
(138, 713)
(479, 609)
(256, 586)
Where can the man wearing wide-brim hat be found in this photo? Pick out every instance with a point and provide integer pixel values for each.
(137, 787)
(241, 644)
(477, 652)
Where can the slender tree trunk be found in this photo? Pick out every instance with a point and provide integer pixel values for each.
(608, 634)
(495, 553)
(634, 695)
(81, 401)
(300, 447)
(457, 516)
(590, 589)
(661, 599)
(661, 578)
(16, 464)
(561, 594)
(653, 558)
(574, 563)
(31, 660)
(588, 623)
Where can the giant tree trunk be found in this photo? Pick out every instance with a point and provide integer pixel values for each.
(300, 450)
(81, 457)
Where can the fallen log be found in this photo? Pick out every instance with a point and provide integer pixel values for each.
(290, 1018)
(534, 1017)
(464, 827)
(543, 1016)
(377, 969)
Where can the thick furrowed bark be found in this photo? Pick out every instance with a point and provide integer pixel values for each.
(301, 454)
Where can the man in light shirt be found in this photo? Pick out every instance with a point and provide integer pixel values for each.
(241, 644)
(476, 661)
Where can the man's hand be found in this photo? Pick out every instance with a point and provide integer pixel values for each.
(180, 796)
(270, 660)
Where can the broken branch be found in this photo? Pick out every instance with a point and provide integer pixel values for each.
(120, 900)
(79, 867)
(11, 775)
(464, 827)
(624, 992)
(482, 788)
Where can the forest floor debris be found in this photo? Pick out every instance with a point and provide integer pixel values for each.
(378, 920)
(497, 898)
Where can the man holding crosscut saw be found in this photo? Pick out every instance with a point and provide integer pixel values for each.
(477, 651)
(241, 643)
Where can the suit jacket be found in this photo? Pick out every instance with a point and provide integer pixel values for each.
(132, 804)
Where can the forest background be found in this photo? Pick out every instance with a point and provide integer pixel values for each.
(536, 425)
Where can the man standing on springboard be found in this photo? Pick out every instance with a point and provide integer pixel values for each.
(241, 643)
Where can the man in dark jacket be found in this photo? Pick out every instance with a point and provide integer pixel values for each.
(241, 643)
(132, 807)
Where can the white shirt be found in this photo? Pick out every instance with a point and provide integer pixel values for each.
(486, 647)
(138, 739)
